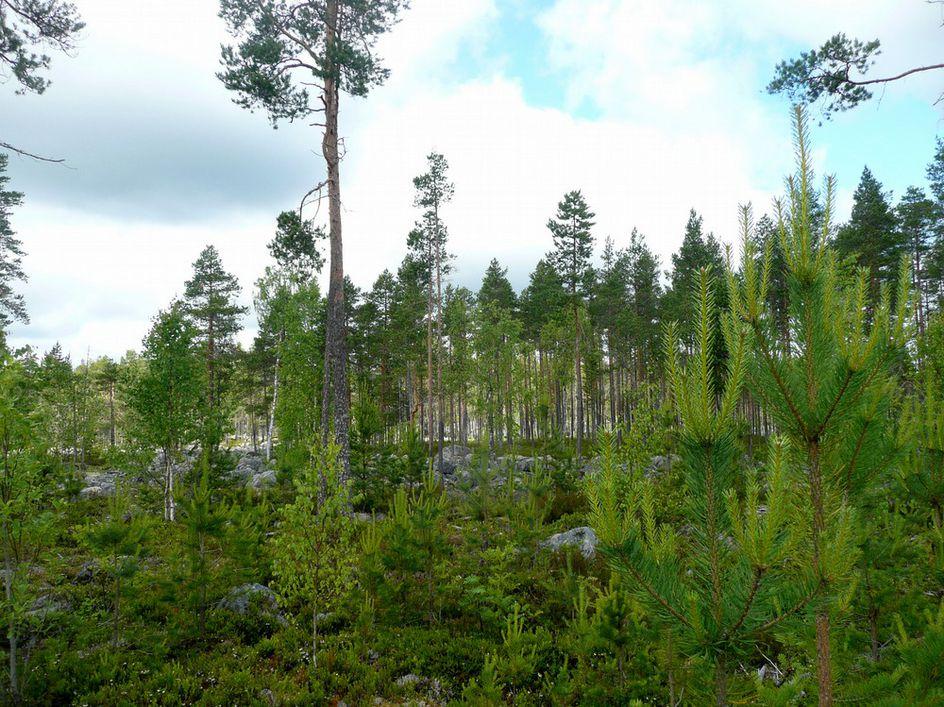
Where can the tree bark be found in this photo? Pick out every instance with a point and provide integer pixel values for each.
(275, 400)
(338, 407)
(439, 334)
(579, 391)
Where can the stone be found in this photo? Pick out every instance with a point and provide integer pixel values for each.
(362, 517)
(769, 671)
(96, 492)
(431, 687)
(509, 460)
(100, 484)
(583, 538)
(248, 465)
(446, 468)
(250, 597)
(87, 572)
(263, 480)
(456, 452)
(660, 464)
(526, 465)
(47, 604)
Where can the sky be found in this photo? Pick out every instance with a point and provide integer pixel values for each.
(650, 107)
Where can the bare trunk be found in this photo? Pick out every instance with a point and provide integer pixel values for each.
(579, 391)
(429, 364)
(721, 682)
(170, 505)
(314, 636)
(275, 400)
(111, 414)
(439, 334)
(335, 394)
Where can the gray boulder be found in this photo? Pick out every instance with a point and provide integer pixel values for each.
(454, 456)
(509, 460)
(583, 538)
(526, 465)
(456, 452)
(47, 604)
(87, 572)
(660, 464)
(96, 492)
(248, 465)
(264, 480)
(250, 597)
(446, 468)
(100, 484)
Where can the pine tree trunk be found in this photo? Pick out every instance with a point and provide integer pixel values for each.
(314, 636)
(439, 336)
(823, 660)
(579, 384)
(335, 353)
(612, 383)
(429, 365)
(721, 682)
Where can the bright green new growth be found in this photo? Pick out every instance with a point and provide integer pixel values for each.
(828, 388)
(314, 549)
(713, 579)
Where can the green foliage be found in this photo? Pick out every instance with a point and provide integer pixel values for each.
(486, 689)
(12, 306)
(118, 542)
(313, 558)
(27, 25)
(826, 73)
(830, 393)
(713, 579)
(204, 522)
(278, 39)
(165, 398)
(26, 521)
(872, 236)
(209, 305)
(414, 542)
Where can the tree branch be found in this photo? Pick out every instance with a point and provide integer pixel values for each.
(888, 79)
(24, 153)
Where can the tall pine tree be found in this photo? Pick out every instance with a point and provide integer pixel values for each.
(573, 246)
(871, 236)
(284, 47)
(210, 305)
(433, 191)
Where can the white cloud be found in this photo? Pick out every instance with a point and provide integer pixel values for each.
(678, 120)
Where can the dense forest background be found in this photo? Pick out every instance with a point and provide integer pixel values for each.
(716, 479)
